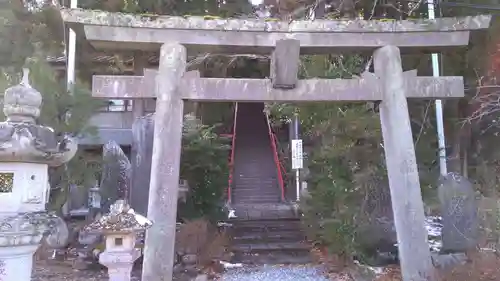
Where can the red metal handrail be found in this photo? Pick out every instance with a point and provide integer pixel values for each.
(283, 170)
(231, 159)
(276, 159)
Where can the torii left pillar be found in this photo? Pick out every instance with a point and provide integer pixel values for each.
(163, 189)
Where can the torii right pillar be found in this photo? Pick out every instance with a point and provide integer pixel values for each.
(407, 203)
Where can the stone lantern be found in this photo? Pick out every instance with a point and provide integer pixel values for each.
(27, 150)
(120, 228)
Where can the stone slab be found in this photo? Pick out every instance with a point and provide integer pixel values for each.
(229, 89)
(98, 17)
(202, 41)
(199, 34)
(142, 153)
(459, 211)
(285, 63)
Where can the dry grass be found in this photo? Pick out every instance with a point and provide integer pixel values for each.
(201, 238)
(391, 273)
(482, 267)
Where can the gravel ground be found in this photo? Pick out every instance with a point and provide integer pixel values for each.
(275, 273)
(53, 272)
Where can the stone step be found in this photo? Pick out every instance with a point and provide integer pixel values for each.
(266, 225)
(270, 191)
(261, 179)
(253, 163)
(256, 181)
(255, 192)
(267, 237)
(263, 213)
(267, 247)
(257, 199)
(263, 176)
(273, 258)
(256, 188)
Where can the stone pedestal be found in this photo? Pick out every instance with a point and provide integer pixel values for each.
(119, 263)
(17, 262)
(20, 237)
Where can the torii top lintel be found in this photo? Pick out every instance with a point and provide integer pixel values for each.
(146, 32)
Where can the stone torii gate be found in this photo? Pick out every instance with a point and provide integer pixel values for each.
(171, 85)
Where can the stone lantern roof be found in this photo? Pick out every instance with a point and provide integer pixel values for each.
(120, 219)
(21, 138)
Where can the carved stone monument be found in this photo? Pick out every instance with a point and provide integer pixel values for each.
(459, 212)
(120, 228)
(115, 183)
(26, 152)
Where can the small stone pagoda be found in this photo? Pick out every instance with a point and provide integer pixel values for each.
(27, 150)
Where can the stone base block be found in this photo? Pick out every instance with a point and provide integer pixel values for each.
(119, 264)
(16, 262)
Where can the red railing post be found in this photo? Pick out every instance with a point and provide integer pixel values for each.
(231, 159)
(276, 159)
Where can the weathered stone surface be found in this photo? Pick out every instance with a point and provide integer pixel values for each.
(459, 212)
(21, 139)
(95, 17)
(285, 62)
(142, 153)
(163, 192)
(78, 198)
(377, 235)
(366, 88)
(26, 151)
(116, 170)
(140, 63)
(189, 259)
(58, 236)
(404, 183)
(448, 261)
(86, 238)
(204, 41)
(120, 219)
(140, 32)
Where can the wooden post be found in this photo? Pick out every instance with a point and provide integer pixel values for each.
(163, 191)
(407, 203)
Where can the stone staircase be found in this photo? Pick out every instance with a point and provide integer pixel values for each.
(266, 230)
(255, 173)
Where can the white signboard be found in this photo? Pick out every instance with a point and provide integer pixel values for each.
(297, 155)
